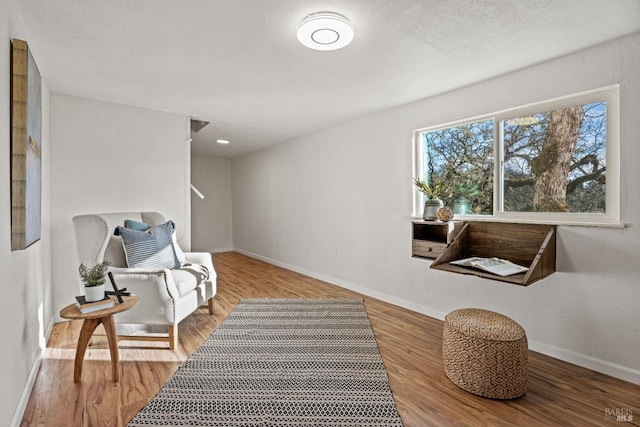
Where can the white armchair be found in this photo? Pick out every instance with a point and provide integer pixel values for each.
(166, 296)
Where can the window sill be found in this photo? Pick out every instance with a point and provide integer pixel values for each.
(517, 219)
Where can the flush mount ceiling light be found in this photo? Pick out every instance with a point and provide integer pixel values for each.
(325, 31)
(222, 141)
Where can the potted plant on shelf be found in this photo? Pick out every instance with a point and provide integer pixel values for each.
(432, 198)
(93, 279)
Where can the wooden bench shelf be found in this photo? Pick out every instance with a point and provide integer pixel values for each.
(530, 245)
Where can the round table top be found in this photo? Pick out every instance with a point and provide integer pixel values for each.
(73, 312)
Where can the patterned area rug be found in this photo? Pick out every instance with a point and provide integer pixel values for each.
(281, 362)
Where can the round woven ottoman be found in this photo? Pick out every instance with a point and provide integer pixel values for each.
(485, 353)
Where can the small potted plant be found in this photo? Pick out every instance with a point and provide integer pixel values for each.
(93, 279)
(432, 201)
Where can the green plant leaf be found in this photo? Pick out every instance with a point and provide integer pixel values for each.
(93, 276)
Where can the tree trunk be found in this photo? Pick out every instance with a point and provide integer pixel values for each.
(552, 166)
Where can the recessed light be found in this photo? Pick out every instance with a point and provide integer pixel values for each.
(222, 141)
(325, 31)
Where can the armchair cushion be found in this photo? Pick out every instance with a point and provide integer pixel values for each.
(153, 248)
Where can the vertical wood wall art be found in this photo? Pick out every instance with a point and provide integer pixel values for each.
(26, 146)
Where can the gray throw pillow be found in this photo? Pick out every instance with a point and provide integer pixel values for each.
(143, 226)
(150, 249)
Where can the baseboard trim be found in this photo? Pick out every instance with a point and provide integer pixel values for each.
(31, 380)
(218, 250)
(604, 367)
(598, 365)
(348, 285)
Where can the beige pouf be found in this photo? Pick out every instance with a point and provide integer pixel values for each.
(485, 353)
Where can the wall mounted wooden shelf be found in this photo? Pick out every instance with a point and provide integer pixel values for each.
(530, 245)
(430, 238)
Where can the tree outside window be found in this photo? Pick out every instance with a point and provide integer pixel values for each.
(549, 160)
(556, 161)
(461, 157)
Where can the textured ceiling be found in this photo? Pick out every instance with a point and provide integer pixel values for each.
(238, 64)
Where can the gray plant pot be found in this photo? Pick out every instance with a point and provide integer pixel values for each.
(431, 207)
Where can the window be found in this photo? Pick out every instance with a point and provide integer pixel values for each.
(555, 161)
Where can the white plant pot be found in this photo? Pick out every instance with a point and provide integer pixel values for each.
(94, 293)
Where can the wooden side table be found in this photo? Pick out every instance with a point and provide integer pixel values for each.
(90, 322)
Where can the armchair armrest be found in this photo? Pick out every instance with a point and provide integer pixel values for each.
(202, 258)
(156, 289)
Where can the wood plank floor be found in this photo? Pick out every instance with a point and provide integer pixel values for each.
(559, 393)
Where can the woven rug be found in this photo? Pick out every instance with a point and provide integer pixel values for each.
(281, 362)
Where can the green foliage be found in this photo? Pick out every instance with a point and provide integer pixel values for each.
(93, 276)
(432, 193)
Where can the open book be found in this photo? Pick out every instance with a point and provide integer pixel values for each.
(498, 266)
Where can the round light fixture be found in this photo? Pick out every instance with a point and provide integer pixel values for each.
(222, 141)
(325, 31)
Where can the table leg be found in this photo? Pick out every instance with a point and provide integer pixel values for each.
(110, 329)
(88, 326)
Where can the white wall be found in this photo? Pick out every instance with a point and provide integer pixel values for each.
(112, 158)
(25, 318)
(211, 216)
(337, 205)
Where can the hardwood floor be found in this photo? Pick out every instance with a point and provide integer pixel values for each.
(559, 393)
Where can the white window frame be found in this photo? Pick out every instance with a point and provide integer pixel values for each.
(611, 217)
